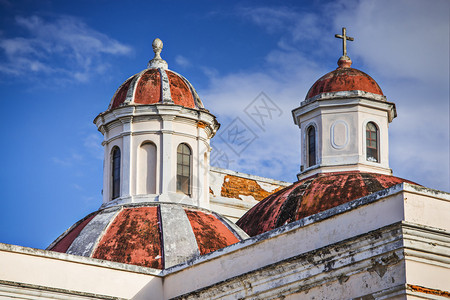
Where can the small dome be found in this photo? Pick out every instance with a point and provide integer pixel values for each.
(156, 84)
(312, 195)
(344, 78)
(153, 86)
(156, 235)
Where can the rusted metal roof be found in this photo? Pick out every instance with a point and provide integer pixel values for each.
(133, 237)
(344, 78)
(312, 195)
(142, 234)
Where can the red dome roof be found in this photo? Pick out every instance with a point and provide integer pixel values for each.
(310, 196)
(344, 78)
(147, 87)
(156, 235)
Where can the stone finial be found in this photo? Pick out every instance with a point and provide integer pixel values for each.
(157, 61)
(344, 62)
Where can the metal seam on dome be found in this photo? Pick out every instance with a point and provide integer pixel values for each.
(166, 97)
(115, 93)
(105, 229)
(292, 198)
(180, 243)
(161, 240)
(131, 93)
(85, 242)
(198, 102)
(94, 249)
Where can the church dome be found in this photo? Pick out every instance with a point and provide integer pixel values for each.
(312, 195)
(344, 78)
(156, 84)
(156, 235)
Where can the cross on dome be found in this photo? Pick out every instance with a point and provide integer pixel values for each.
(157, 62)
(344, 38)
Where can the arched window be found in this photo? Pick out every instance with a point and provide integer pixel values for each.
(184, 169)
(115, 173)
(371, 142)
(311, 144)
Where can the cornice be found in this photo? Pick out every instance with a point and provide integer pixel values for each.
(140, 113)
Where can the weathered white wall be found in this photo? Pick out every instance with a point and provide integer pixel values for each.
(357, 218)
(130, 127)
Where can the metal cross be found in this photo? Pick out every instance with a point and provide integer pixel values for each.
(344, 38)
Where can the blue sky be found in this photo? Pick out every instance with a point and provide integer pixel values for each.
(61, 62)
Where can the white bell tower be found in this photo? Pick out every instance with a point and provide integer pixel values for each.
(344, 121)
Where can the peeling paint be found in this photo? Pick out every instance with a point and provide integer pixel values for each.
(421, 289)
(237, 187)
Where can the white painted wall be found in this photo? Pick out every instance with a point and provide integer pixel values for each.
(44, 270)
(148, 137)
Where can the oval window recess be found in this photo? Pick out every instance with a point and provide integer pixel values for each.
(339, 134)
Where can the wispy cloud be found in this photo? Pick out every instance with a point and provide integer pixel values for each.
(182, 61)
(93, 143)
(64, 46)
(272, 19)
(69, 160)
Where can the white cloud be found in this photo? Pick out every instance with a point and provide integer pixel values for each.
(182, 61)
(69, 160)
(272, 19)
(403, 45)
(64, 47)
(400, 39)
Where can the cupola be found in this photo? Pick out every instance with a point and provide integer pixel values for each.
(156, 139)
(155, 179)
(344, 122)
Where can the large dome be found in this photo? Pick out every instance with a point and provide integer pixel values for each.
(344, 78)
(157, 235)
(312, 195)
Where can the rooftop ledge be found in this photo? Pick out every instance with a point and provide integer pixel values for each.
(376, 204)
(325, 215)
(345, 94)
